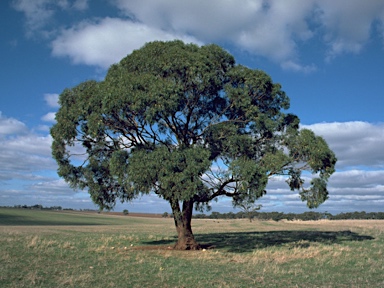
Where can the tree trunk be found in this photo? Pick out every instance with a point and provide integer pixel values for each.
(185, 238)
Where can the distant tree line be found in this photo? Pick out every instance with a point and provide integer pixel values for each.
(276, 216)
(41, 207)
(38, 207)
(251, 215)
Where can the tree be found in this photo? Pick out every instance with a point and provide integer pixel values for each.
(125, 212)
(249, 209)
(188, 124)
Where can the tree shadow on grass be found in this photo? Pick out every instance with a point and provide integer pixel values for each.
(14, 220)
(239, 242)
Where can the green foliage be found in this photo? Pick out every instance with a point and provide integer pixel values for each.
(188, 124)
(176, 172)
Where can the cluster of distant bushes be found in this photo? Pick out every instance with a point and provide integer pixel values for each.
(276, 216)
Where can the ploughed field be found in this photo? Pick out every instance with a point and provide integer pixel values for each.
(77, 249)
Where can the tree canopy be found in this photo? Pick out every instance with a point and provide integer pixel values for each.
(190, 125)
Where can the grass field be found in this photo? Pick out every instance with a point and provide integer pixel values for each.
(72, 249)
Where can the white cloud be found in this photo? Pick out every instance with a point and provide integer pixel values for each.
(357, 184)
(80, 5)
(28, 152)
(107, 41)
(293, 66)
(39, 13)
(28, 173)
(355, 143)
(273, 29)
(61, 195)
(357, 178)
(208, 20)
(23, 153)
(49, 117)
(263, 28)
(348, 23)
(44, 128)
(52, 100)
(11, 126)
(54, 188)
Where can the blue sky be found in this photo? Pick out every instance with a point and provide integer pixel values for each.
(328, 55)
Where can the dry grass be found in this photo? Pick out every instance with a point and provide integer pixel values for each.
(136, 254)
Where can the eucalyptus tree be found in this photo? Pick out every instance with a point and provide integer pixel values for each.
(190, 125)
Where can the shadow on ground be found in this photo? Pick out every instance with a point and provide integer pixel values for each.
(247, 241)
(14, 220)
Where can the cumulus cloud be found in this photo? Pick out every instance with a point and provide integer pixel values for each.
(39, 13)
(26, 159)
(10, 126)
(28, 175)
(348, 24)
(52, 99)
(296, 67)
(273, 29)
(248, 26)
(352, 190)
(105, 42)
(54, 193)
(23, 153)
(49, 117)
(28, 172)
(44, 128)
(357, 184)
(358, 178)
(356, 190)
(55, 188)
(80, 5)
(356, 144)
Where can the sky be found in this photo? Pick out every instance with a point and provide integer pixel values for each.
(327, 54)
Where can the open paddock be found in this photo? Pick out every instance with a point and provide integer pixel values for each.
(72, 249)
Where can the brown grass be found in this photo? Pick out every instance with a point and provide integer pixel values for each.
(138, 254)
